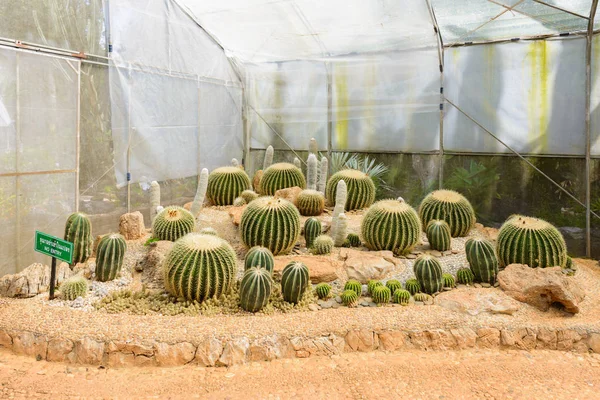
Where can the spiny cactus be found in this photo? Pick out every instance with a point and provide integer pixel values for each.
(312, 229)
(393, 285)
(412, 286)
(438, 235)
(450, 206)
(323, 171)
(255, 289)
(482, 259)
(422, 297)
(297, 163)
(272, 223)
(235, 162)
(401, 296)
(372, 284)
(341, 230)
(323, 290)
(311, 172)
(465, 276)
(74, 287)
(569, 263)
(208, 231)
(322, 245)
(349, 298)
(78, 230)
(530, 241)
(381, 294)
(428, 272)
(353, 285)
(248, 195)
(313, 147)
(353, 240)
(281, 176)
(294, 281)
(200, 193)
(154, 200)
(172, 223)
(259, 256)
(111, 251)
(225, 184)
(448, 281)
(239, 201)
(361, 189)
(310, 202)
(391, 225)
(268, 158)
(199, 267)
(340, 201)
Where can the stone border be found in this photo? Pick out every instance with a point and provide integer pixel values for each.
(213, 352)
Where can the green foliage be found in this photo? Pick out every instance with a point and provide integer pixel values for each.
(428, 272)
(438, 235)
(393, 285)
(312, 229)
(294, 281)
(322, 245)
(78, 230)
(482, 259)
(450, 206)
(353, 240)
(381, 294)
(310, 202)
(323, 290)
(255, 289)
(391, 225)
(349, 298)
(448, 281)
(225, 184)
(363, 163)
(360, 189)
(151, 240)
(353, 285)
(372, 284)
(259, 256)
(281, 176)
(74, 287)
(401, 296)
(465, 276)
(173, 223)
(110, 255)
(412, 286)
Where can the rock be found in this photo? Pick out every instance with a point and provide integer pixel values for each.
(30, 344)
(116, 360)
(541, 287)
(86, 269)
(256, 180)
(188, 205)
(270, 348)
(209, 351)
(435, 253)
(392, 340)
(364, 266)
(327, 304)
(131, 347)
(594, 342)
(546, 338)
(321, 268)
(236, 214)
(488, 337)
(474, 302)
(33, 280)
(5, 339)
(131, 225)
(174, 354)
(313, 307)
(88, 351)
(78, 302)
(435, 339)
(491, 233)
(59, 349)
(152, 275)
(235, 352)
(289, 194)
(361, 340)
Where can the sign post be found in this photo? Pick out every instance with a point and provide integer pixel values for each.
(57, 249)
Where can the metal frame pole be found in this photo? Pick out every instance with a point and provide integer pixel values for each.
(78, 137)
(17, 177)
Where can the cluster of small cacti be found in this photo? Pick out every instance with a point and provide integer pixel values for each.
(449, 281)
(438, 235)
(255, 289)
(294, 281)
(312, 229)
(465, 276)
(482, 259)
(259, 256)
(352, 240)
(78, 230)
(173, 223)
(322, 245)
(74, 287)
(272, 223)
(450, 206)
(428, 272)
(310, 202)
(353, 285)
(422, 297)
(323, 290)
(393, 285)
(361, 189)
(381, 294)
(225, 184)
(372, 284)
(530, 241)
(349, 298)
(200, 193)
(239, 202)
(110, 255)
(412, 286)
(401, 296)
(248, 195)
(208, 231)
(281, 176)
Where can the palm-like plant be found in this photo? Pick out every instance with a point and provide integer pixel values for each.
(366, 164)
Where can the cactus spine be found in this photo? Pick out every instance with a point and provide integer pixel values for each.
(172, 223)
(311, 172)
(248, 195)
(428, 271)
(372, 284)
(323, 290)
(74, 287)
(450, 206)
(402, 297)
(268, 158)
(381, 294)
(448, 281)
(111, 251)
(199, 267)
(310, 202)
(482, 259)
(530, 241)
(323, 171)
(465, 276)
(412, 286)
(272, 223)
(352, 240)
(312, 229)
(281, 176)
(297, 163)
(225, 184)
(438, 235)
(78, 230)
(294, 281)
(393, 285)
(259, 256)
(340, 201)
(361, 189)
(313, 147)
(255, 289)
(349, 298)
(200, 193)
(341, 230)
(391, 225)
(154, 200)
(322, 245)
(353, 285)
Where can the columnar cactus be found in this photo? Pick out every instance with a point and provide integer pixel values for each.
(401, 296)
(372, 284)
(353, 285)
(465, 276)
(259, 256)
(200, 193)
(341, 229)
(172, 223)
(381, 294)
(272, 223)
(412, 286)
(225, 184)
(352, 240)
(311, 172)
(323, 290)
(297, 163)
(294, 281)
(78, 230)
(482, 259)
(268, 158)
(448, 281)
(428, 272)
(208, 231)
(154, 200)
(111, 251)
(391, 225)
(281, 176)
(199, 267)
(255, 289)
(322, 245)
(313, 147)
(450, 206)
(310, 202)
(569, 263)
(239, 202)
(323, 171)
(361, 189)
(393, 285)
(235, 162)
(349, 298)
(248, 195)
(530, 241)
(340, 201)
(438, 235)
(312, 229)
(74, 287)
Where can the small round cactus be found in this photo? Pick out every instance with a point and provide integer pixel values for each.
(372, 284)
(401, 296)
(259, 256)
(74, 287)
(530, 241)
(312, 229)
(450, 206)
(225, 184)
(349, 298)
(255, 289)
(482, 259)
(381, 294)
(172, 223)
(249, 195)
(438, 235)
(569, 263)
(361, 189)
(354, 285)
(281, 176)
(465, 276)
(352, 240)
(393, 285)
(412, 286)
(422, 297)
(323, 290)
(272, 223)
(428, 271)
(448, 281)
(322, 245)
(208, 231)
(310, 202)
(391, 225)
(111, 251)
(294, 281)
(239, 202)
(78, 230)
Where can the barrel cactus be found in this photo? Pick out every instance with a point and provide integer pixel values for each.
(391, 225)
(74, 287)
(322, 245)
(323, 290)
(438, 235)
(312, 229)
(272, 223)
(530, 241)
(393, 285)
(465, 276)
(294, 281)
(199, 267)
(110, 254)
(281, 176)
(428, 271)
(255, 289)
(450, 206)
(422, 297)
(225, 184)
(381, 294)
(448, 280)
(353, 285)
(259, 256)
(239, 202)
(482, 259)
(172, 223)
(349, 298)
(310, 202)
(248, 195)
(78, 230)
(412, 286)
(401, 296)
(352, 240)
(372, 284)
(361, 189)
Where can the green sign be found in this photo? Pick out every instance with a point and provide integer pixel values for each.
(54, 247)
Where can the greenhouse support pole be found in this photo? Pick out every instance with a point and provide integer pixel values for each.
(17, 178)
(78, 137)
(129, 131)
(199, 137)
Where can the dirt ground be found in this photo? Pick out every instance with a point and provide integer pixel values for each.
(376, 375)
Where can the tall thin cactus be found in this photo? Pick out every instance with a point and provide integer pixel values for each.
(297, 163)
(340, 205)
(154, 199)
(235, 162)
(313, 146)
(341, 230)
(268, 158)
(322, 184)
(200, 193)
(311, 172)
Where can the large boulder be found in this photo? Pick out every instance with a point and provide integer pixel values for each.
(541, 287)
(366, 265)
(151, 264)
(320, 268)
(477, 301)
(236, 214)
(131, 226)
(256, 180)
(33, 280)
(289, 194)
